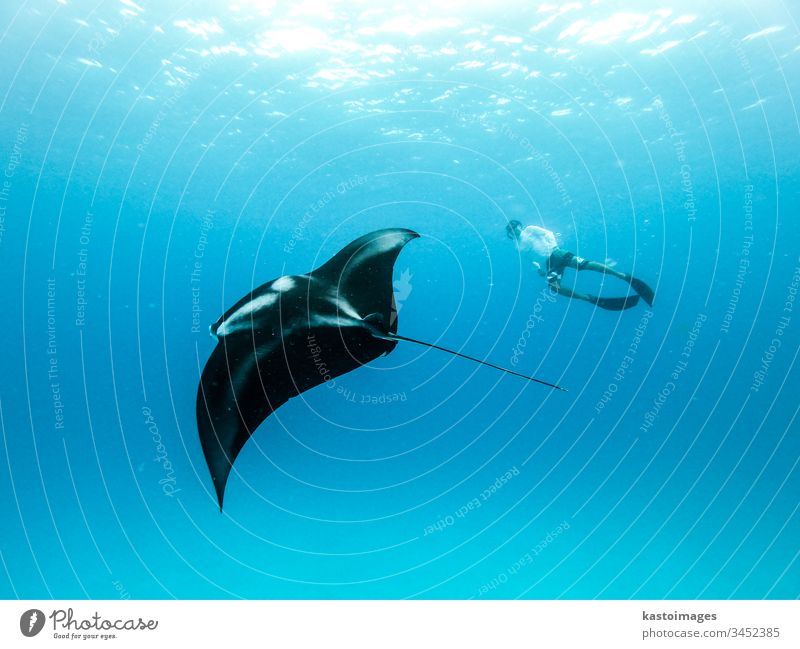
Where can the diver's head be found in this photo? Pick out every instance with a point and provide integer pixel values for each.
(513, 230)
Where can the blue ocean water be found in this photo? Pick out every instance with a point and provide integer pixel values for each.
(160, 159)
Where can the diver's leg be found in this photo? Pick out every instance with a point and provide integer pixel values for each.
(566, 292)
(644, 291)
(608, 303)
(596, 266)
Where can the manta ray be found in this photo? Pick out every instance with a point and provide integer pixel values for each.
(297, 332)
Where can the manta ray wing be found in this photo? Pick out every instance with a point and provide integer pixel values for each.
(231, 404)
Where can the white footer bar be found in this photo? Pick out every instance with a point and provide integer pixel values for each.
(406, 624)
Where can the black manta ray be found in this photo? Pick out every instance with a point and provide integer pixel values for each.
(294, 333)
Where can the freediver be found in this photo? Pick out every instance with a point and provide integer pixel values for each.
(551, 261)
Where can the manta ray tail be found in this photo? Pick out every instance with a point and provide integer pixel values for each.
(476, 360)
(376, 325)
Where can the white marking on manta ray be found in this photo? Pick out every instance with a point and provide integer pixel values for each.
(345, 307)
(240, 319)
(335, 321)
(283, 284)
